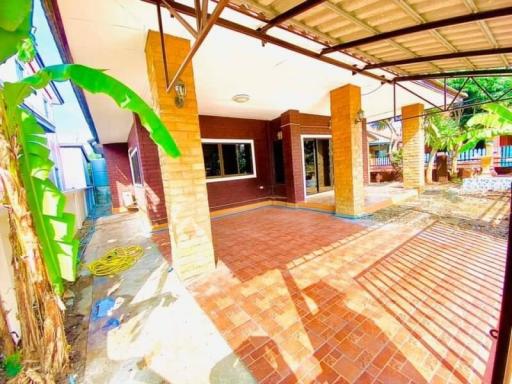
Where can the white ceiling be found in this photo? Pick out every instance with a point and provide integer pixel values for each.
(110, 34)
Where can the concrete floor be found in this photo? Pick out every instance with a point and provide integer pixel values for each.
(377, 196)
(164, 336)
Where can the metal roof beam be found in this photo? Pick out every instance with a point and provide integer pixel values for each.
(486, 30)
(292, 12)
(228, 24)
(422, 27)
(434, 32)
(449, 75)
(444, 56)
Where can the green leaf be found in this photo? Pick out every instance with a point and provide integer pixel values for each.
(13, 13)
(12, 365)
(11, 39)
(26, 50)
(54, 228)
(96, 81)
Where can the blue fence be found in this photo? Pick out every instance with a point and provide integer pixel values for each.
(506, 156)
(473, 154)
(380, 161)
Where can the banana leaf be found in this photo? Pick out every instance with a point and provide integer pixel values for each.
(97, 81)
(15, 26)
(54, 227)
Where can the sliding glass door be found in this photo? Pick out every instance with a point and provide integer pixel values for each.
(317, 165)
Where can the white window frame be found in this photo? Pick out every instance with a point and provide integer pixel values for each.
(233, 141)
(131, 152)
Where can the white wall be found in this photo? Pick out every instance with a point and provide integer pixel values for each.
(76, 204)
(73, 168)
(7, 293)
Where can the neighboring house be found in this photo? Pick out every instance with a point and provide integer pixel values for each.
(70, 173)
(40, 103)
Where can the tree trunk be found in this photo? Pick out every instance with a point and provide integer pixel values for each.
(430, 165)
(454, 169)
(6, 342)
(43, 339)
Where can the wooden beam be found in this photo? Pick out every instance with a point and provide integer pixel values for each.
(444, 56)
(292, 12)
(205, 29)
(197, 6)
(507, 11)
(180, 19)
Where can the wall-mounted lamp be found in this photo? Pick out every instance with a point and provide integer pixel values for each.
(180, 91)
(359, 116)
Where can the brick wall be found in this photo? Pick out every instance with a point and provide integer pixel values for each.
(149, 195)
(232, 193)
(119, 173)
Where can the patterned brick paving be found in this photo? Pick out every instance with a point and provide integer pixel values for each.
(304, 297)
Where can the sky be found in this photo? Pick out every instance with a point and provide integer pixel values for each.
(70, 123)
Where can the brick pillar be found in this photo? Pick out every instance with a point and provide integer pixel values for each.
(183, 178)
(366, 150)
(413, 138)
(292, 151)
(347, 142)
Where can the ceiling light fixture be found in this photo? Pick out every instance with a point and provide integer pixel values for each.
(241, 98)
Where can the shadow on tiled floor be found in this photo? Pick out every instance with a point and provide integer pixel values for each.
(306, 297)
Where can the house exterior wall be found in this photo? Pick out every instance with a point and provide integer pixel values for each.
(286, 129)
(119, 174)
(150, 194)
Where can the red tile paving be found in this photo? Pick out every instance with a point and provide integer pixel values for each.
(305, 297)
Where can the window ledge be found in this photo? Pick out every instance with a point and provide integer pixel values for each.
(229, 178)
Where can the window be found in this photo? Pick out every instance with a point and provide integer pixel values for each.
(135, 167)
(228, 159)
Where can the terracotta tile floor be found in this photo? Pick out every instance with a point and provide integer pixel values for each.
(305, 297)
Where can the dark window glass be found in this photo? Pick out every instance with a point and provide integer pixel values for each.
(229, 156)
(134, 163)
(227, 159)
(244, 154)
(278, 162)
(211, 160)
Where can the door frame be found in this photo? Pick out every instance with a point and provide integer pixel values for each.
(309, 136)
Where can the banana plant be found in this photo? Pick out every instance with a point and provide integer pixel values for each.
(54, 226)
(41, 235)
(497, 121)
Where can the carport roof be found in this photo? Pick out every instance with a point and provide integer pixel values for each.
(404, 36)
(111, 34)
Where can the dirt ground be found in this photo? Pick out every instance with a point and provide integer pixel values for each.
(486, 213)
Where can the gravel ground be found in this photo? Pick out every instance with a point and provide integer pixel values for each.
(486, 213)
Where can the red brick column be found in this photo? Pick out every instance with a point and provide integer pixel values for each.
(292, 151)
(119, 173)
